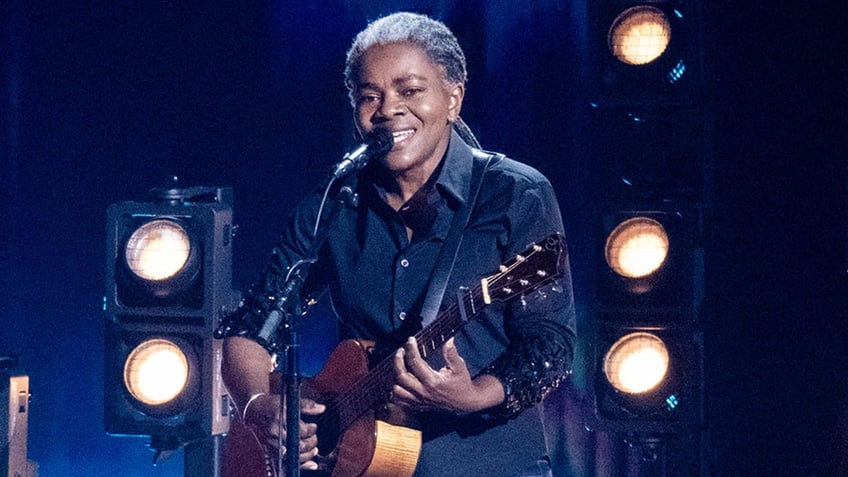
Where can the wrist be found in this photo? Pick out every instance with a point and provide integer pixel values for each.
(489, 392)
(250, 401)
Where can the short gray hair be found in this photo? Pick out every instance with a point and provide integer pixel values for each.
(432, 36)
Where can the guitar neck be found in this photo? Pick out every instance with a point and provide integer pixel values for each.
(373, 389)
(541, 263)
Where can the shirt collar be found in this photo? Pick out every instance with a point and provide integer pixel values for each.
(454, 173)
(455, 176)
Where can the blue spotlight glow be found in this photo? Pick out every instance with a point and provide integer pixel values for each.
(677, 72)
(671, 402)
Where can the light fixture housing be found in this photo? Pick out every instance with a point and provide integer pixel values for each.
(647, 52)
(647, 377)
(647, 261)
(169, 281)
(646, 355)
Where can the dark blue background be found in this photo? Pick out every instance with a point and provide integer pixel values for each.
(102, 101)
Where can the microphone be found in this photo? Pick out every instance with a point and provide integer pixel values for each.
(377, 142)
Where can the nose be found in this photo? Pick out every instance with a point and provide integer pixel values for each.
(391, 105)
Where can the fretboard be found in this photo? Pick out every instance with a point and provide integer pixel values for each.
(372, 390)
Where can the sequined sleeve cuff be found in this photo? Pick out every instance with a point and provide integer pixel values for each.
(247, 321)
(530, 371)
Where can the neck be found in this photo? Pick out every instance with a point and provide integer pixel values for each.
(400, 186)
(406, 184)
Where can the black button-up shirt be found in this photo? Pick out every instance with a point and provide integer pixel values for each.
(377, 278)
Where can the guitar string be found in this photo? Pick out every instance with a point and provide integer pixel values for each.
(374, 386)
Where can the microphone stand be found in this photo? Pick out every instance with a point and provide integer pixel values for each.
(287, 307)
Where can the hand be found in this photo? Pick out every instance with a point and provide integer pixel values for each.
(264, 418)
(450, 388)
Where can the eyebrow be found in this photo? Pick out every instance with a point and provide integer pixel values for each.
(397, 81)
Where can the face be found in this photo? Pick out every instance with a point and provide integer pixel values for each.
(400, 89)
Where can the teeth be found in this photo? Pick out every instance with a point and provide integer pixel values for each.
(402, 135)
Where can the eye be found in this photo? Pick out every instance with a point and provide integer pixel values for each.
(412, 91)
(367, 98)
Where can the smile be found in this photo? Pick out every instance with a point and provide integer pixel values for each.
(400, 136)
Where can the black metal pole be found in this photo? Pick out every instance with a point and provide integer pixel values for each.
(292, 395)
(288, 309)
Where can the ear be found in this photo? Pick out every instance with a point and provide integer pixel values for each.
(456, 92)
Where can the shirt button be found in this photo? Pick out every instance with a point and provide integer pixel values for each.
(404, 262)
(402, 315)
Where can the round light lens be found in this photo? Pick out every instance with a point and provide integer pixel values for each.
(158, 250)
(637, 247)
(156, 372)
(639, 35)
(636, 363)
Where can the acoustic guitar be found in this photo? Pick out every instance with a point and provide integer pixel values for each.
(369, 436)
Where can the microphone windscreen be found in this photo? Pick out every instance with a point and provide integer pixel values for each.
(382, 140)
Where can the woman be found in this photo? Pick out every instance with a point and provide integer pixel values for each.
(476, 400)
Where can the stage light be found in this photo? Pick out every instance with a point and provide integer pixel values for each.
(647, 377)
(646, 355)
(647, 259)
(169, 274)
(156, 372)
(637, 247)
(158, 250)
(160, 261)
(647, 53)
(636, 363)
(639, 35)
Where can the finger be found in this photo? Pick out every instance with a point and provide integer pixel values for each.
(308, 429)
(306, 458)
(401, 395)
(410, 349)
(307, 462)
(417, 365)
(312, 408)
(414, 362)
(308, 444)
(454, 361)
(405, 379)
(399, 363)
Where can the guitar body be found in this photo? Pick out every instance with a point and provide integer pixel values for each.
(376, 444)
(369, 447)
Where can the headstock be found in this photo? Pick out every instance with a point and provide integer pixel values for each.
(540, 264)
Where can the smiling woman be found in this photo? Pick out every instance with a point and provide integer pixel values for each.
(434, 214)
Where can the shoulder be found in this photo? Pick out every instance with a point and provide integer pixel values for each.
(506, 170)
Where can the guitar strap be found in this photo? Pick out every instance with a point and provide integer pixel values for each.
(447, 256)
